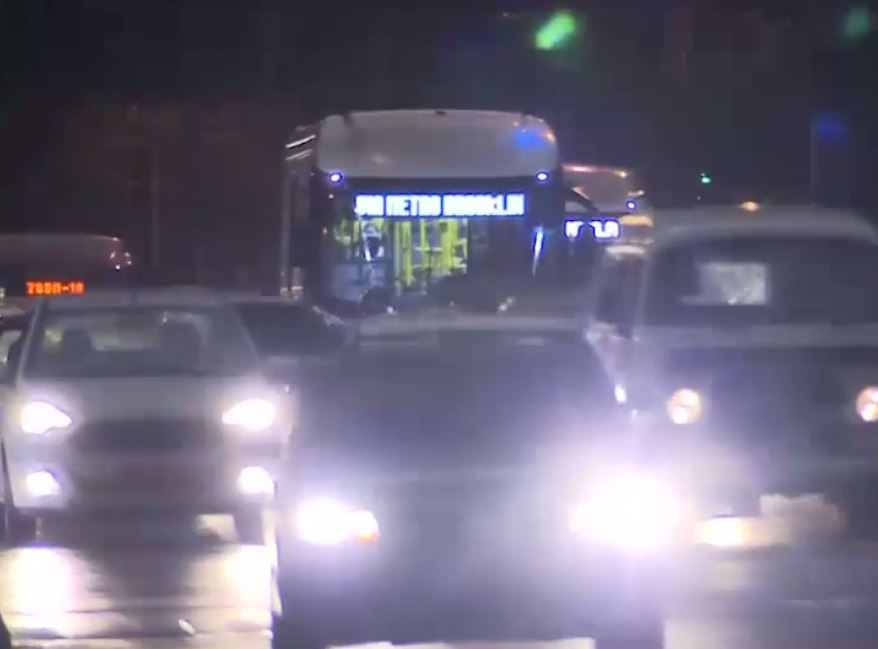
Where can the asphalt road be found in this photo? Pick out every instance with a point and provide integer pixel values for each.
(168, 587)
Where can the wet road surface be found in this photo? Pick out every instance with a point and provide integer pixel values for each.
(195, 587)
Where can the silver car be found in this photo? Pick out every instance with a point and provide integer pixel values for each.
(138, 400)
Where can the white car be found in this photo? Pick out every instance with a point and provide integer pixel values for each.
(744, 344)
(138, 400)
(457, 470)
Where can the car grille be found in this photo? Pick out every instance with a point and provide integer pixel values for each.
(456, 518)
(148, 481)
(773, 396)
(145, 435)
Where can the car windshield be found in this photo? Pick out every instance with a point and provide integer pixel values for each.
(753, 281)
(149, 341)
(452, 383)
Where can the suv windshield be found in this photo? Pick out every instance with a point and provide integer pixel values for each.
(149, 341)
(753, 281)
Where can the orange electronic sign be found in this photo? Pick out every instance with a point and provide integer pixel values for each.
(53, 287)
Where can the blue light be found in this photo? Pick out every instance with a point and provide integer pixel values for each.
(542, 177)
(832, 129)
(528, 139)
(336, 177)
(631, 205)
(539, 240)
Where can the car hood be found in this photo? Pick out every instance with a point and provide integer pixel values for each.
(456, 414)
(144, 398)
(763, 385)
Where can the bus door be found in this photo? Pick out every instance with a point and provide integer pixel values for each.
(405, 256)
(427, 251)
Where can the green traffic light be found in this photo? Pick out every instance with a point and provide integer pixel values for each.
(556, 31)
(705, 179)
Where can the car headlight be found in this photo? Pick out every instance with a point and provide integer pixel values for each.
(39, 417)
(627, 509)
(867, 404)
(325, 521)
(251, 414)
(685, 406)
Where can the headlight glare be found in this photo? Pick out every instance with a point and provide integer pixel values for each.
(867, 404)
(325, 521)
(39, 417)
(255, 481)
(251, 414)
(685, 406)
(627, 509)
(42, 484)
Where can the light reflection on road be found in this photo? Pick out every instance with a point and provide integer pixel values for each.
(202, 590)
(44, 585)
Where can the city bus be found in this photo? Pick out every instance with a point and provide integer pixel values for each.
(36, 264)
(396, 201)
(605, 207)
(619, 206)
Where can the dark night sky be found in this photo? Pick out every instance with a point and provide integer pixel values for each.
(670, 86)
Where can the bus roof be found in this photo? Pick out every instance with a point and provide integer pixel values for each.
(88, 247)
(436, 144)
(575, 168)
(673, 226)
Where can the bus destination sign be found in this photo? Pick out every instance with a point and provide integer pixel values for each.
(440, 205)
(53, 287)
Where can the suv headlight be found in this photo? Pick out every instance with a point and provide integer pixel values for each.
(627, 509)
(867, 404)
(325, 521)
(251, 414)
(39, 417)
(685, 406)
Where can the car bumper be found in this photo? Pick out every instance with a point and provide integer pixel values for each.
(722, 477)
(352, 594)
(200, 481)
